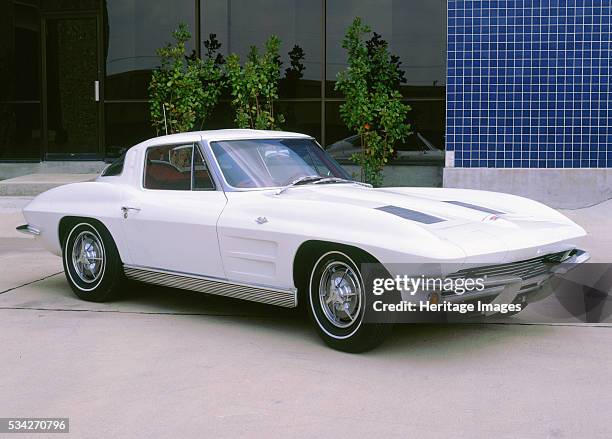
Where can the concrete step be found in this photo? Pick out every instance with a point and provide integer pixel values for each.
(34, 184)
(12, 170)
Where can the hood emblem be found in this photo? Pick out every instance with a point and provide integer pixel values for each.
(492, 217)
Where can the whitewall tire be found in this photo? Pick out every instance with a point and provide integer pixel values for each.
(337, 303)
(91, 261)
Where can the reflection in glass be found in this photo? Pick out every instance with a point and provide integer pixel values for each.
(415, 30)
(135, 29)
(126, 125)
(19, 54)
(301, 117)
(335, 129)
(222, 117)
(68, 5)
(19, 131)
(239, 24)
(427, 120)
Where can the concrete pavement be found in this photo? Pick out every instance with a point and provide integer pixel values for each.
(167, 363)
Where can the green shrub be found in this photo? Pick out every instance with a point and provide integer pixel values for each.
(184, 89)
(373, 107)
(254, 87)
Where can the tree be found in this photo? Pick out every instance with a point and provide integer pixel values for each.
(254, 86)
(184, 89)
(373, 106)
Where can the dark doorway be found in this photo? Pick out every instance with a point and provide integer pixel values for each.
(71, 118)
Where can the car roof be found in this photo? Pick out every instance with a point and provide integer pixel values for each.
(220, 135)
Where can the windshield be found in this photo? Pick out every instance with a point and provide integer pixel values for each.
(264, 163)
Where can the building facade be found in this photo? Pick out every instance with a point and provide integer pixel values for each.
(516, 91)
(75, 72)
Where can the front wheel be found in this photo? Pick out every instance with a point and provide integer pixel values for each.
(337, 304)
(91, 262)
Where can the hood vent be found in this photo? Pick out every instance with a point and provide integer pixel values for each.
(475, 207)
(412, 215)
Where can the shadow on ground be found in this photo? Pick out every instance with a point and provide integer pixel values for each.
(427, 341)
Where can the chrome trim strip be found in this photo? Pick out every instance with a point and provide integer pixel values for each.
(221, 287)
(578, 257)
(28, 230)
(496, 285)
(533, 274)
(524, 269)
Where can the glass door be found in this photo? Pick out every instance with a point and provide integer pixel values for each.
(71, 116)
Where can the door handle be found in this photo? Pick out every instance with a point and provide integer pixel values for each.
(126, 209)
(97, 91)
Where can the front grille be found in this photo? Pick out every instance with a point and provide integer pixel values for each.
(523, 269)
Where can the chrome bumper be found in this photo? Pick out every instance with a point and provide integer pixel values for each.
(28, 230)
(577, 257)
(519, 289)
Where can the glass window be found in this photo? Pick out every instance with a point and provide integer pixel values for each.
(335, 129)
(20, 131)
(68, 5)
(426, 118)
(19, 51)
(272, 162)
(126, 125)
(168, 167)
(414, 29)
(134, 30)
(239, 24)
(301, 117)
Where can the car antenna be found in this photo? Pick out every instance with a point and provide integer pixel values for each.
(165, 121)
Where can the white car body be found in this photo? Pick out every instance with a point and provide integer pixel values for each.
(243, 242)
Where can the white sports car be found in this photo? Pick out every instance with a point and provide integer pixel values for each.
(269, 216)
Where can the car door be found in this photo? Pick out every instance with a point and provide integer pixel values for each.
(170, 223)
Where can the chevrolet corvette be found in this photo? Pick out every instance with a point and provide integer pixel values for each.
(269, 216)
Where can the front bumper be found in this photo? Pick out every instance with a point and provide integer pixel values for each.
(517, 283)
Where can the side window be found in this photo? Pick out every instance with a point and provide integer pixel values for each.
(168, 167)
(202, 180)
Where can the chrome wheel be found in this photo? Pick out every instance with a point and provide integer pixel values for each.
(88, 257)
(340, 294)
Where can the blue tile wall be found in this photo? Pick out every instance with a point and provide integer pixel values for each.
(529, 83)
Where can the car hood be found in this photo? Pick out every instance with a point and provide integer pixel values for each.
(484, 225)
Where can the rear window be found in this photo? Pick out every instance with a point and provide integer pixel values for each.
(115, 168)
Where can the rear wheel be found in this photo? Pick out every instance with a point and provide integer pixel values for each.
(91, 262)
(337, 304)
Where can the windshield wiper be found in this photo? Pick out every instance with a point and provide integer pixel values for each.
(340, 180)
(302, 179)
